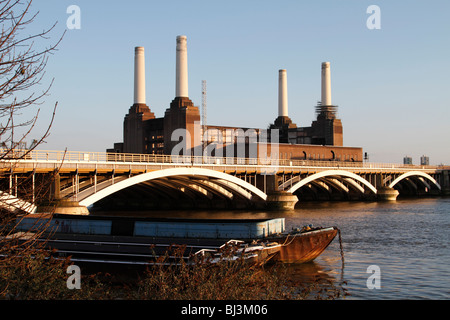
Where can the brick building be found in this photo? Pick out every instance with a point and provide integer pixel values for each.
(146, 134)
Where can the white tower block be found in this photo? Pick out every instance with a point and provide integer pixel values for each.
(282, 94)
(326, 84)
(181, 85)
(139, 75)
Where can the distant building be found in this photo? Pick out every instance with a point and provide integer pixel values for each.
(146, 134)
(424, 161)
(407, 160)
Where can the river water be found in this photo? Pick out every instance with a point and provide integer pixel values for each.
(392, 250)
(408, 242)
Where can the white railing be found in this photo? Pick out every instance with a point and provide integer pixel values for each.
(97, 157)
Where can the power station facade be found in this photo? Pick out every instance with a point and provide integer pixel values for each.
(144, 133)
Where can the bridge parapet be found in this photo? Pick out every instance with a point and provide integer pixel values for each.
(68, 158)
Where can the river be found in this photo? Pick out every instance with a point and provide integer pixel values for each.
(407, 241)
(392, 250)
(404, 244)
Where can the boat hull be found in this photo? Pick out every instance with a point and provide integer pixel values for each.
(304, 247)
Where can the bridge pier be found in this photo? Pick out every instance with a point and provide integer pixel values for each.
(281, 200)
(59, 205)
(387, 194)
(63, 207)
(445, 180)
(276, 199)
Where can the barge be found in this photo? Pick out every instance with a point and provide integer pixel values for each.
(131, 240)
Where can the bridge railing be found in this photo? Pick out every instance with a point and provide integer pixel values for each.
(80, 156)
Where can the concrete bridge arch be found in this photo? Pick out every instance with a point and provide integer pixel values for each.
(207, 179)
(418, 174)
(349, 177)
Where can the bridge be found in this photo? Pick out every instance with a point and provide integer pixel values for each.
(78, 180)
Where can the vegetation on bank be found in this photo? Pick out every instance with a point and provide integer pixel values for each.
(38, 276)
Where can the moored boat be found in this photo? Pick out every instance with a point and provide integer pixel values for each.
(147, 240)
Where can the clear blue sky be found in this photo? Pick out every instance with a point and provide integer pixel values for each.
(391, 85)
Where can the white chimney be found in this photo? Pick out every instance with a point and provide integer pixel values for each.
(139, 75)
(282, 94)
(326, 84)
(181, 85)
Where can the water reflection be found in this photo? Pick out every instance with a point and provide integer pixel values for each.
(313, 281)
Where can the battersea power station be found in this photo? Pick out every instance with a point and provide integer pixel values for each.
(145, 133)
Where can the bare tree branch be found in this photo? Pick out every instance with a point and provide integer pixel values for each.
(23, 60)
(22, 69)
